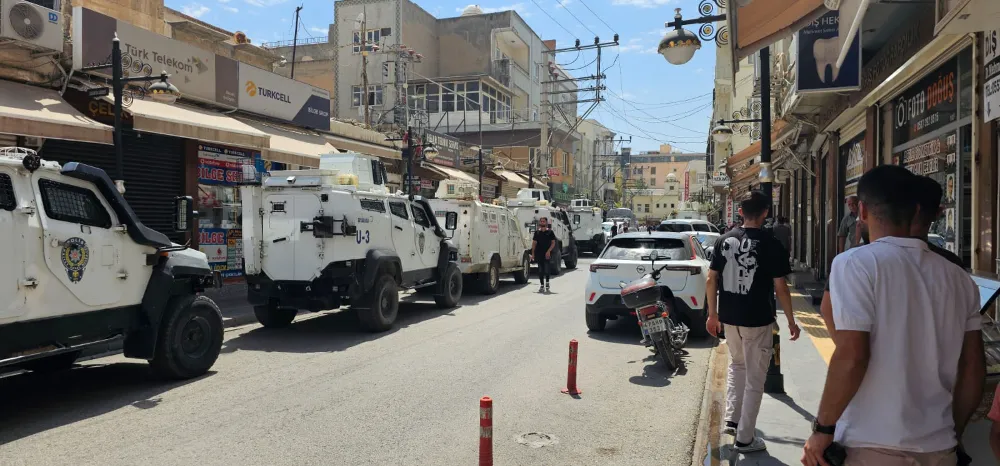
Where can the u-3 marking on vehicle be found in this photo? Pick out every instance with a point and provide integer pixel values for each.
(366, 237)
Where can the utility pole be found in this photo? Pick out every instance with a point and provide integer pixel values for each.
(364, 68)
(295, 38)
(543, 139)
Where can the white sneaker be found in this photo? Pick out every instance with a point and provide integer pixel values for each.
(757, 444)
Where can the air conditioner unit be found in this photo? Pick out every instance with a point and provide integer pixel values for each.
(29, 24)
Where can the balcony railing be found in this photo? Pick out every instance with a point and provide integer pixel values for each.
(501, 70)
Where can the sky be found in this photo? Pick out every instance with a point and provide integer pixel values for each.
(647, 98)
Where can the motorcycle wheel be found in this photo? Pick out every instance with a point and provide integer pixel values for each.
(667, 353)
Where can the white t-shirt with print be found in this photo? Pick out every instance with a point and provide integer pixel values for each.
(917, 307)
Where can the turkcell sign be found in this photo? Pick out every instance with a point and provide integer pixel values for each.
(269, 94)
(199, 74)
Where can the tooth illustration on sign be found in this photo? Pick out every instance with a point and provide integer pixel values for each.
(826, 51)
(832, 4)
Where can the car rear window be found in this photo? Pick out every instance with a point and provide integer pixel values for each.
(701, 227)
(635, 248)
(674, 227)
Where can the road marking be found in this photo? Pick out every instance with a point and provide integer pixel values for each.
(811, 322)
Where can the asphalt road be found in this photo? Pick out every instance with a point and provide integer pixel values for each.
(324, 392)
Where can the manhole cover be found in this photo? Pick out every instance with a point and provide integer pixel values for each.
(537, 439)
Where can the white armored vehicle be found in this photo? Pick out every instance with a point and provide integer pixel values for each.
(587, 229)
(320, 239)
(81, 272)
(489, 239)
(532, 204)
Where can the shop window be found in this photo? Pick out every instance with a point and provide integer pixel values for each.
(373, 205)
(398, 209)
(7, 200)
(420, 216)
(73, 204)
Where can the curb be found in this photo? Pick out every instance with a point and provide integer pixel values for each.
(703, 431)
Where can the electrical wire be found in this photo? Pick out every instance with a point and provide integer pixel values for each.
(553, 19)
(578, 54)
(597, 16)
(564, 7)
(661, 120)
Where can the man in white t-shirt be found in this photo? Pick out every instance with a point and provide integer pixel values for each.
(908, 369)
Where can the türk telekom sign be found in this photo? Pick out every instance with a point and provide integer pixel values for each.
(198, 73)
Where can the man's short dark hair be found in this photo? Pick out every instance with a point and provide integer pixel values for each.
(928, 193)
(782, 219)
(888, 193)
(756, 205)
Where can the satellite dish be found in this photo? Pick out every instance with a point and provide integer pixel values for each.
(359, 21)
(241, 38)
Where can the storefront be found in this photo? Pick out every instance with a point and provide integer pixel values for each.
(932, 135)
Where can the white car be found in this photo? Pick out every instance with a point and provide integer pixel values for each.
(621, 261)
(707, 241)
(682, 225)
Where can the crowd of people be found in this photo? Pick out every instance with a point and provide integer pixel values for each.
(908, 368)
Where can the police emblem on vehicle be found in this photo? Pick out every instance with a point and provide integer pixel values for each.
(640, 269)
(74, 257)
(420, 242)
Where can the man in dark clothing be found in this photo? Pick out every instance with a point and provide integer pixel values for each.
(748, 268)
(541, 248)
(614, 229)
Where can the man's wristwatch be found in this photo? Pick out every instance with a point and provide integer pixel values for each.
(821, 429)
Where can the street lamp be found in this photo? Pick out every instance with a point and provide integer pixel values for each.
(722, 134)
(678, 48)
(160, 90)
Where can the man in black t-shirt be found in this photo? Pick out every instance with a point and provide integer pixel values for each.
(748, 266)
(541, 248)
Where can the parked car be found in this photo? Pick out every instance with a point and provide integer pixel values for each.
(707, 241)
(622, 261)
(678, 225)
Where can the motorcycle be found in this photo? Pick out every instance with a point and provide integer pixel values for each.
(652, 304)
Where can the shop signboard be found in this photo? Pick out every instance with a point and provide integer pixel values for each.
(199, 74)
(930, 104)
(449, 148)
(854, 166)
(730, 211)
(277, 96)
(687, 185)
(991, 86)
(720, 179)
(220, 234)
(818, 46)
(552, 172)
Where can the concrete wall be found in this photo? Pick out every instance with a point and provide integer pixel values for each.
(347, 69)
(467, 41)
(314, 64)
(420, 32)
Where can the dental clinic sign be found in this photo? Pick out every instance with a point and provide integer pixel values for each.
(199, 74)
(819, 44)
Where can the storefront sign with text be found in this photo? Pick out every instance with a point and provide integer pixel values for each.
(930, 104)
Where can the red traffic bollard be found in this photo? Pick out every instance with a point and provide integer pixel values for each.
(485, 431)
(571, 388)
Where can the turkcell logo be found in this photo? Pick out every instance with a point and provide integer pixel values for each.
(255, 90)
(53, 17)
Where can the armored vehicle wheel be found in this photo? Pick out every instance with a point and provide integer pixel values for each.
(521, 276)
(59, 362)
(190, 338)
(381, 305)
(571, 258)
(489, 282)
(451, 288)
(555, 261)
(272, 316)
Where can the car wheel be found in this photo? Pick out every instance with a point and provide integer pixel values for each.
(451, 288)
(555, 261)
(190, 338)
(596, 322)
(381, 305)
(272, 316)
(521, 276)
(571, 259)
(489, 282)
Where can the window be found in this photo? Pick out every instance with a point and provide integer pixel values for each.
(701, 227)
(373, 205)
(433, 98)
(657, 206)
(7, 200)
(398, 209)
(377, 172)
(671, 206)
(652, 182)
(68, 203)
(374, 95)
(420, 216)
(372, 37)
(418, 96)
(674, 227)
(671, 188)
(636, 248)
(647, 207)
(652, 170)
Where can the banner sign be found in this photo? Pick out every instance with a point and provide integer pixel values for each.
(930, 104)
(720, 179)
(818, 46)
(217, 165)
(854, 165)
(449, 148)
(991, 86)
(199, 74)
(687, 185)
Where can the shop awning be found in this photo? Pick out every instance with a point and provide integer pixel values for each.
(762, 23)
(779, 129)
(291, 145)
(346, 136)
(513, 179)
(194, 123)
(34, 111)
(452, 173)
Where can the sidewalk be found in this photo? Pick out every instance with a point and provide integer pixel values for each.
(785, 420)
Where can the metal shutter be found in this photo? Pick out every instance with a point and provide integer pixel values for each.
(154, 172)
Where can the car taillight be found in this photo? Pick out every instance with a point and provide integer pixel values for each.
(692, 269)
(596, 267)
